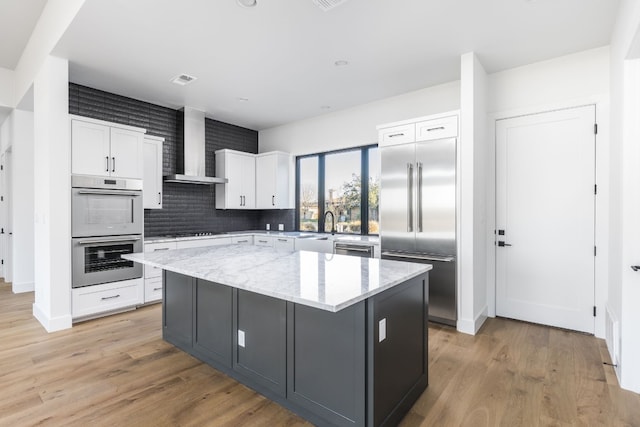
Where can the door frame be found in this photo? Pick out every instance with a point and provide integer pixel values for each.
(601, 205)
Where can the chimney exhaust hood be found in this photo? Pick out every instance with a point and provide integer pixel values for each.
(194, 150)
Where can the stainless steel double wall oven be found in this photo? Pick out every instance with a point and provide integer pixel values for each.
(106, 222)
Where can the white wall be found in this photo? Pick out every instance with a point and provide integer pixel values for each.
(56, 16)
(357, 126)
(568, 81)
(22, 220)
(7, 83)
(52, 198)
(472, 278)
(624, 285)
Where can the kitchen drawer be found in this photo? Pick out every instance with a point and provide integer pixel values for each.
(95, 299)
(242, 240)
(199, 243)
(153, 289)
(284, 244)
(263, 241)
(156, 247)
(397, 134)
(446, 127)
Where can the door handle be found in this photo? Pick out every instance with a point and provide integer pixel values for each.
(113, 164)
(635, 267)
(409, 197)
(501, 243)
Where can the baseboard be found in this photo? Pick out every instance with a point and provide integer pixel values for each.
(51, 324)
(19, 288)
(472, 326)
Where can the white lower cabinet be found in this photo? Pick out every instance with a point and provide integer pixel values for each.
(285, 244)
(90, 301)
(242, 240)
(153, 275)
(263, 241)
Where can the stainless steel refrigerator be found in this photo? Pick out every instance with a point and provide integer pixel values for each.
(418, 215)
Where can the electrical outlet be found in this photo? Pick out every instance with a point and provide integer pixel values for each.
(240, 338)
(281, 227)
(382, 330)
(268, 227)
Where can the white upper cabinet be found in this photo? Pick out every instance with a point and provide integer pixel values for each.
(240, 169)
(272, 180)
(152, 178)
(99, 148)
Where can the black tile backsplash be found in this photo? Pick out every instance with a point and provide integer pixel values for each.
(186, 207)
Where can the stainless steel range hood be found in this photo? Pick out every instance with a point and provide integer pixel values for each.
(194, 151)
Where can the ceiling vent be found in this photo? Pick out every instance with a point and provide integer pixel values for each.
(183, 79)
(327, 5)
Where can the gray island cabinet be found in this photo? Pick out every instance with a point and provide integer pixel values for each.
(340, 340)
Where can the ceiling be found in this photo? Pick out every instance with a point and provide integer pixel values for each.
(275, 63)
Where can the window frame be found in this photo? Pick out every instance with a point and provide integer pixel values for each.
(364, 187)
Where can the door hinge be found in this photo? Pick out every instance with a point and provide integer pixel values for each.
(595, 128)
(594, 311)
(2, 262)
(595, 189)
(595, 251)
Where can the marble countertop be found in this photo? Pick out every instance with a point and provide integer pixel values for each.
(356, 239)
(325, 281)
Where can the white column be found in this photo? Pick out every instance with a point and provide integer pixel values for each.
(472, 240)
(52, 204)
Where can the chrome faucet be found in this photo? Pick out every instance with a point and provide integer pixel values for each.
(333, 221)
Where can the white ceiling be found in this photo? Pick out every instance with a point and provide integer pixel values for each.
(280, 55)
(17, 20)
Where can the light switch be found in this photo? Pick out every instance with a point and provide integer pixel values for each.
(281, 227)
(240, 338)
(382, 330)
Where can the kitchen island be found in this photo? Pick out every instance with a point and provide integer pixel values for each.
(340, 340)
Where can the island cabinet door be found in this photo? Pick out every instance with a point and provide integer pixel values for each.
(213, 313)
(327, 363)
(177, 309)
(260, 340)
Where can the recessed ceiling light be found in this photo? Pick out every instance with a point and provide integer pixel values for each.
(183, 79)
(341, 63)
(325, 107)
(240, 99)
(247, 3)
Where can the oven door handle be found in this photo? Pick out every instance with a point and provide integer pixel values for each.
(111, 192)
(109, 240)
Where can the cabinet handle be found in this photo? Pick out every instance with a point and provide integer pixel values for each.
(113, 165)
(111, 297)
(160, 249)
(262, 241)
(436, 128)
(242, 241)
(393, 135)
(159, 198)
(273, 200)
(107, 159)
(157, 289)
(282, 240)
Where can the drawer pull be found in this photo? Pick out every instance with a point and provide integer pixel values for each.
(158, 289)
(160, 249)
(282, 240)
(262, 241)
(393, 135)
(111, 297)
(437, 128)
(242, 241)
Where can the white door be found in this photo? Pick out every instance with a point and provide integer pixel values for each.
(266, 169)
(545, 195)
(249, 181)
(152, 176)
(89, 148)
(126, 153)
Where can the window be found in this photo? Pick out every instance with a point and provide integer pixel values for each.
(345, 183)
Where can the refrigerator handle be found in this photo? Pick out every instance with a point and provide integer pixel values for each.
(409, 197)
(419, 173)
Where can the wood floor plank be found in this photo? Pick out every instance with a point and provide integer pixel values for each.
(117, 371)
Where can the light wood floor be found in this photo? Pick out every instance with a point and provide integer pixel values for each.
(117, 371)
